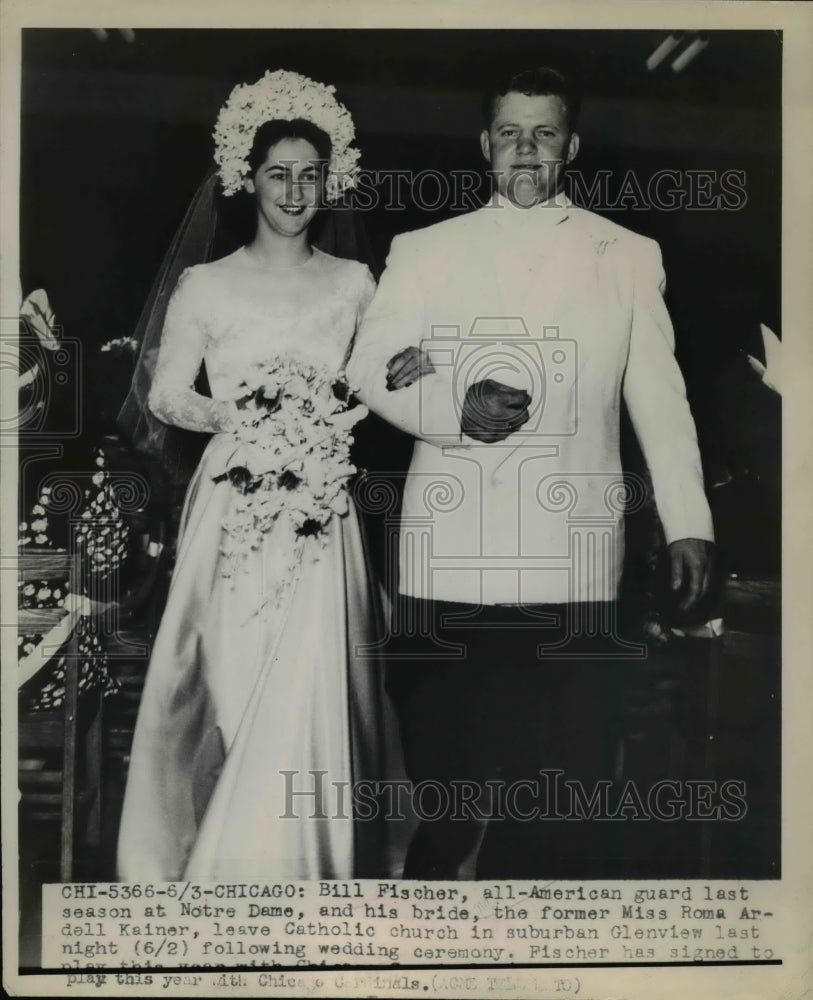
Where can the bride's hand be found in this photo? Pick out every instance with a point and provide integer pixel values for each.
(407, 367)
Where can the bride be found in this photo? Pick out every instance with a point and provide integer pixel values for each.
(260, 709)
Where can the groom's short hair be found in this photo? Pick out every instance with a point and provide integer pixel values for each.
(541, 81)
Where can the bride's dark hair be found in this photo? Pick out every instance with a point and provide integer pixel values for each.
(272, 132)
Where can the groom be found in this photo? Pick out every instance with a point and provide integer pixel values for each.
(503, 341)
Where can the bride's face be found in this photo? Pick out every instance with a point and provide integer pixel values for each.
(287, 186)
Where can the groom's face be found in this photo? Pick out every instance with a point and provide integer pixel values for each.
(528, 144)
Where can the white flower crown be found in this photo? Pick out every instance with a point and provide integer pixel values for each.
(284, 95)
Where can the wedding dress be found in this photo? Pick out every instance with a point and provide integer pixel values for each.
(257, 716)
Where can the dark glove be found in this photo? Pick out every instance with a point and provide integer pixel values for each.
(492, 411)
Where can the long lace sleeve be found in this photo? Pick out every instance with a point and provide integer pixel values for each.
(172, 397)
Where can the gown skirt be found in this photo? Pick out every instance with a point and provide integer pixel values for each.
(259, 717)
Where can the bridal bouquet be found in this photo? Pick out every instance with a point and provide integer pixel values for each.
(292, 462)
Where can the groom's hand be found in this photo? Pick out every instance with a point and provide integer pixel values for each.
(493, 410)
(407, 367)
(692, 566)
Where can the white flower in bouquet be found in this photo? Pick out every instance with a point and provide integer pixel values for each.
(315, 474)
(297, 386)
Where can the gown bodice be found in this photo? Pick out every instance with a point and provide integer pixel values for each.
(233, 314)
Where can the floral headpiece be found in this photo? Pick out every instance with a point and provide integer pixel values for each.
(284, 95)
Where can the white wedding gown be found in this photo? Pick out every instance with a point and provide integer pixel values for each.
(255, 722)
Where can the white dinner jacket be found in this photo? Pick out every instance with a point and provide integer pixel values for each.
(568, 305)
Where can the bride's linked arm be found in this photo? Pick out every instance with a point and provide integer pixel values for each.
(172, 397)
(394, 323)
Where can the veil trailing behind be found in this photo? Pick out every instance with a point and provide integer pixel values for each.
(205, 233)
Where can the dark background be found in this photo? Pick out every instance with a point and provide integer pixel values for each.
(116, 137)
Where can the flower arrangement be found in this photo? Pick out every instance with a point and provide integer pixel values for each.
(101, 535)
(123, 345)
(102, 538)
(292, 461)
(284, 95)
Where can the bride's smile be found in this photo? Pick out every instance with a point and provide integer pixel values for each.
(288, 187)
